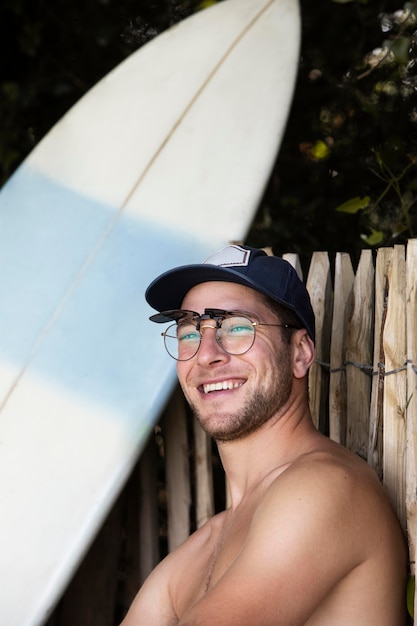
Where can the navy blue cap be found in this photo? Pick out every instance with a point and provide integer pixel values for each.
(270, 275)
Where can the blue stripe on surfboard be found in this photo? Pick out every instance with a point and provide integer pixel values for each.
(100, 345)
(103, 347)
(45, 234)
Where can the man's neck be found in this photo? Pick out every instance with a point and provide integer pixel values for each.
(272, 448)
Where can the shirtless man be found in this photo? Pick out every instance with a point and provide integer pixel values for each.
(310, 538)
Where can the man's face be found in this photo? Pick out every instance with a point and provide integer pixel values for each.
(255, 386)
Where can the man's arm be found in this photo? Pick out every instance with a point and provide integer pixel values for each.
(152, 605)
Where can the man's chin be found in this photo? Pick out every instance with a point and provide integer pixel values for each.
(224, 427)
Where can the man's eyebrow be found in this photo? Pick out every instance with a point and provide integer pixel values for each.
(249, 314)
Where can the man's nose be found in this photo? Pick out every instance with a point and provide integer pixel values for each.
(210, 349)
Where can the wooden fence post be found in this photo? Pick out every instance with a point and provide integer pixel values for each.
(395, 384)
(411, 472)
(320, 290)
(376, 417)
(204, 497)
(148, 511)
(343, 284)
(358, 357)
(177, 469)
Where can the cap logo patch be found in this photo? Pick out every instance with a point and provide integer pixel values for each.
(230, 256)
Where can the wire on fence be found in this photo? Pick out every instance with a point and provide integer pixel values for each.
(367, 369)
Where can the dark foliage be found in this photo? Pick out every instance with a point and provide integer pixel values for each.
(351, 136)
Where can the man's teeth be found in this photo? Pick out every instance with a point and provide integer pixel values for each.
(226, 384)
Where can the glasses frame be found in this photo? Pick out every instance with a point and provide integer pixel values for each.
(218, 315)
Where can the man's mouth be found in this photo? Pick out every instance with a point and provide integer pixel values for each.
(221, 386)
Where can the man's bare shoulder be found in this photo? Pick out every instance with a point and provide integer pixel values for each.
(331, 462)
(331, 476)
(347, 509)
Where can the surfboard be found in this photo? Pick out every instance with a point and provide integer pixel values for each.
(161, 163)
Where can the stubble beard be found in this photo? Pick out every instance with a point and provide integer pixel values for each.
(263, 404)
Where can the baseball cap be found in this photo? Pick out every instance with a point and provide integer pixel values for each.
(270, 275)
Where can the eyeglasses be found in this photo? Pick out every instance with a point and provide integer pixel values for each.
(235, 331)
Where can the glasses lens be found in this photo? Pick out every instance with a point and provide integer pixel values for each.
(182, 340)
(236, 334)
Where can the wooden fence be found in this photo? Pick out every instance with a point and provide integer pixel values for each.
(363, 393)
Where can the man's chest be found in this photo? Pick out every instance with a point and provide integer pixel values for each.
(206, 560)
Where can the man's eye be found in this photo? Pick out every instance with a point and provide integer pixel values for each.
(188, 333)
(238, 327)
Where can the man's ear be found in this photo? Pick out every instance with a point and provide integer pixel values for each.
(303, 353)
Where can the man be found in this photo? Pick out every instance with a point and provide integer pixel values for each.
(310, 538)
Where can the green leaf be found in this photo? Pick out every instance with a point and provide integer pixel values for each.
(401, 49)
(320, 150)
(205, 4)
(354, 205)
(375, 238)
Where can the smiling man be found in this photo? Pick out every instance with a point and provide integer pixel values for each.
(310, 538)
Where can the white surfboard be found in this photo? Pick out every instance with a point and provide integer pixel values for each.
(160, 164)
